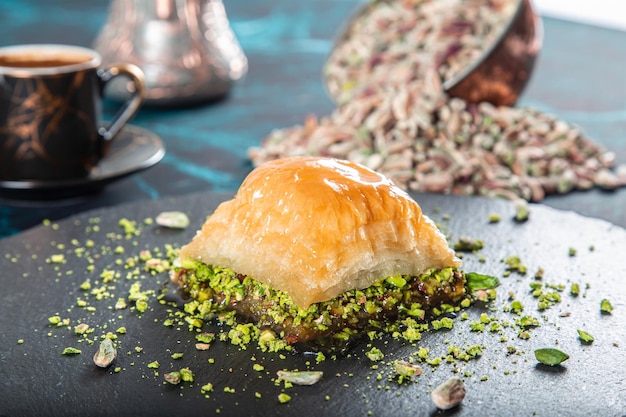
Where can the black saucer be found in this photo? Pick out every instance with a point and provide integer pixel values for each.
(134, 150)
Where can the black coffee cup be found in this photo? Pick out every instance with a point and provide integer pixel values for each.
(50, 110)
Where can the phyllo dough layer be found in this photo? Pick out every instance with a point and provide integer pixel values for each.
(317, 227)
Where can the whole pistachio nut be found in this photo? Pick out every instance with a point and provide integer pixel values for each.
(106, 354)
(449, 394)
(173, 219)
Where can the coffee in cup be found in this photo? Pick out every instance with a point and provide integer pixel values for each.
(50, 110)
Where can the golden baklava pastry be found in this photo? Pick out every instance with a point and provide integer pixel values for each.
(317, 227)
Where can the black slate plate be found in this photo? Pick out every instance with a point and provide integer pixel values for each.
(133, 150)
(37, 380)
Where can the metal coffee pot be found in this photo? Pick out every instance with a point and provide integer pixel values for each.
(186, 49)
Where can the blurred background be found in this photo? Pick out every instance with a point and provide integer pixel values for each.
(579, 77)
(609, 13)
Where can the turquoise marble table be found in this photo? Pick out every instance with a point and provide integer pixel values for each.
(579, 77)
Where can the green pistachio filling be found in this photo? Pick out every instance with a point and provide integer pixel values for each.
(398, 305)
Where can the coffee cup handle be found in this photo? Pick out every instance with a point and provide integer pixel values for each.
(130, 106)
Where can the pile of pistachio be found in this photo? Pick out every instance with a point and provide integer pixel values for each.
(424, 140)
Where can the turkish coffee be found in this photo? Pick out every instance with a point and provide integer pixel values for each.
(41, 61)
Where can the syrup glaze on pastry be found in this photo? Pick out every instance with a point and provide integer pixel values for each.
(316, 227)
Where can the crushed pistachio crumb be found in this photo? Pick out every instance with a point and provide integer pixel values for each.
(522, 213)
(605, 306)
(375, 354)
(172, 377)
(82, 328)
(186, 375)
(443, 323)
(406, 370)
(205, 337)
(466, 244)
(129, 227)
(585, 337)
(514, 264)
(494, 218)
(58, 259)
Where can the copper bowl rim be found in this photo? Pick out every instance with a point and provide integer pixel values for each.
(344, 32)
(497, 42)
